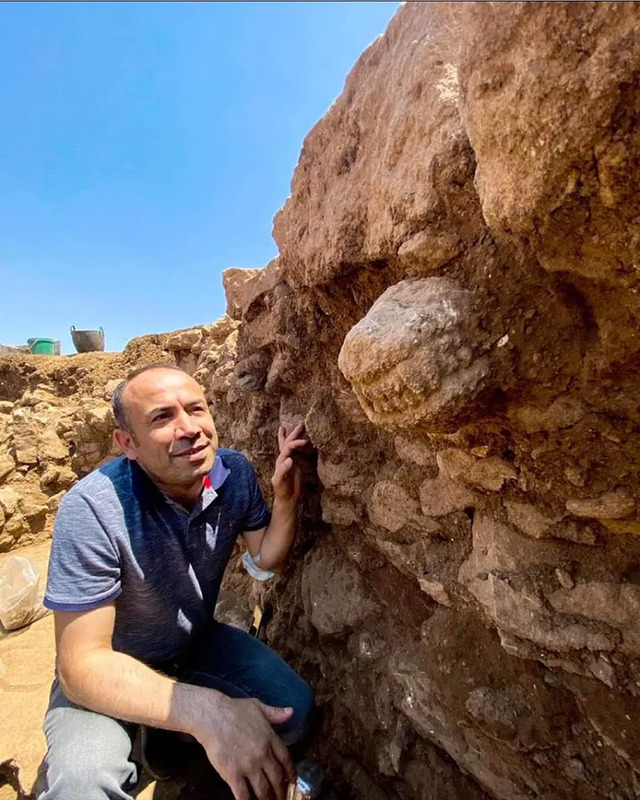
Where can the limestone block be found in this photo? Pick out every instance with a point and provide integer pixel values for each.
(337, 511)
(422, 702)
(2, 517)
(31, 508)
(523, 614)
(512, 713)
(616, 604)
(562, 413)
(235, 282)
(426, 251)
(53, 503)
(58, 475)
(414, 359)
(435, 590)
(335, 597)
(51, 447)
(7, 465)
(498, 557)
(391, 507)
(498, 548)
(10, 500)
(216, 334)
(529, 519)
(16, 526)
(566, 182)
(485, 473)
(343, 478)
(441, 496)
(110, 387)
(184, 340)
(101, 418)
(611, 505)
(415, 450)
(24, 432)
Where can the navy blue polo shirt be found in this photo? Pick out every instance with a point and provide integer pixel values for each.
(118, 538)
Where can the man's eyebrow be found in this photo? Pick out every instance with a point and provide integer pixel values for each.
(158, 410)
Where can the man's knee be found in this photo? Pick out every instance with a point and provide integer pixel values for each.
(85, 778)
(299, 726)
(81, 779)
(88, 755)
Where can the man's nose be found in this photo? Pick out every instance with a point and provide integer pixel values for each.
(187, 426)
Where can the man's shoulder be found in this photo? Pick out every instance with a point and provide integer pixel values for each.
(233, 458)
(110, 480)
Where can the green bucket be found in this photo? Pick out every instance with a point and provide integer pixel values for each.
(43, 347)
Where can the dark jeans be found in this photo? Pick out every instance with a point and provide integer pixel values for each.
(89, 755)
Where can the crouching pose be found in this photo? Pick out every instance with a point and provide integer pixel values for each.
(139, 549)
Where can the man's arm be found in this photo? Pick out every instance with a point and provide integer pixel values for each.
(273, 543)
(236, 734)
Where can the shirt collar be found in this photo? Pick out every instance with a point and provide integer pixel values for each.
(147, 493)
(218, 474)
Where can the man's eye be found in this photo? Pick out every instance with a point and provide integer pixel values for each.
(197, 409)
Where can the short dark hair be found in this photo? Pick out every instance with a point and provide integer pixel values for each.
(117, 398)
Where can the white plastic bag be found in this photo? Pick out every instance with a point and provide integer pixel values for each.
(20, 596)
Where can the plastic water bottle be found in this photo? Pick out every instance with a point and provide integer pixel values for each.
(309, 783)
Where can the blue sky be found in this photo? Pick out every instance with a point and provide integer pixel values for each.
(145, 147)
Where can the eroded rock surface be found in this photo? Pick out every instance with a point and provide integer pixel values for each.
(454, 312)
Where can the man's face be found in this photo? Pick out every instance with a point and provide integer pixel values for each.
(172, 435)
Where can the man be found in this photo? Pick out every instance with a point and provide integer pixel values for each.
(139, 549)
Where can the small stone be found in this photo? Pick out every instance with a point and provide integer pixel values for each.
(110, 388)
(16, 526)
(435, 590)
(574, 769)
(10, 500)
(604, 672)
(564, 578)
(575, 476)
(100, 417)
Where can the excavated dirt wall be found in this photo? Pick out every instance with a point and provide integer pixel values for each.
(454, 314)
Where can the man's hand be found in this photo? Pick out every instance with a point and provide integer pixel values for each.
(242, 746)
(287, 477)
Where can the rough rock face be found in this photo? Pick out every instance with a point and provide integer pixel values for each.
(454, 313)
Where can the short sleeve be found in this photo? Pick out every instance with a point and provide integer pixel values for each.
(258, 515)
(84, 567)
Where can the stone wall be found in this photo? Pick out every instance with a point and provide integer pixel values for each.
(454, 314)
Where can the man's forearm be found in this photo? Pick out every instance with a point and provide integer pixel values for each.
(119, 686)
(279, 535)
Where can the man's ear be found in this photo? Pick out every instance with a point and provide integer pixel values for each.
(126, 443)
